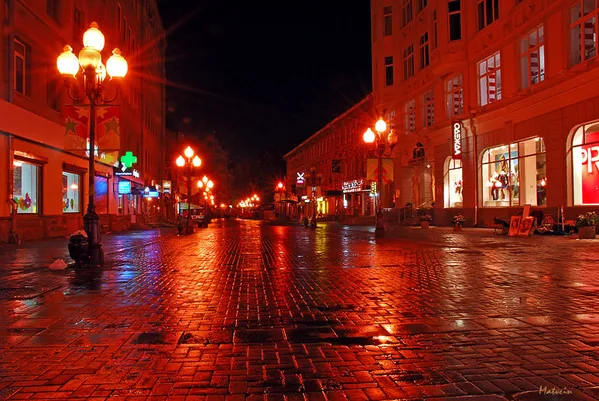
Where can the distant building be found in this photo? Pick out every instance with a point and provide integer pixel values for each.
(44, 176)
(336, 157)
(495, 103)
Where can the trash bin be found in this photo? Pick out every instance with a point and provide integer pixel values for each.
(78, 247)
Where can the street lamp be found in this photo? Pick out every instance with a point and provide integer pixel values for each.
(207, 184)
(381, 142)
(94, 75)
(312, 180)
(191, 162)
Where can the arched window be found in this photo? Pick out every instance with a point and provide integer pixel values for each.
(514, 174)
(452, 182)
(583, 157)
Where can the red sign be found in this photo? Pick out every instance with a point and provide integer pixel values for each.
(590, 168)
(456, 140)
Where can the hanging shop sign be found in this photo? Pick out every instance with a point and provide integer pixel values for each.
(352, 186)
(126, 166)
(124, 187)
(151, 192)
(456, 140)
(166, 186)
(301, 178)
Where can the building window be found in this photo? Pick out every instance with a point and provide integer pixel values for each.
(489, 79)
(435, 31)
(422, 4)
(488, 11)
(583, 158)
(101, 194)
(20, 66)
(26, 181)
(532, 57)
(78, 23)
(52, 8)
(452, 183)
(387, 21)
(515, 174)
(406, 12)
(428, 109)
(424, 53)
(388, 71)
(408, 62)
(583, 31)
(454, 96)
(410, 115)
(71, 193)
(455, 19)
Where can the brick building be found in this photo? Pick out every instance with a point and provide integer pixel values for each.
(46, 178)
(495, 103)
(338, 158)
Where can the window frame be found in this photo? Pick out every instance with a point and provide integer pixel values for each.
(487, 19)
(79, 190)
(425, 56)
(408, 62)
(579, 23)
(530, 51)
(449, 16)
(450, 95)
(24, 58)
(389, 70)
(39, 183)
(388, 18)
(53, 8)
(496, 73)
(428, 108)
(449, 166)
(410, 116)
(407, 13)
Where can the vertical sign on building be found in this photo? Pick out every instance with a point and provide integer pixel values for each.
(456, 140)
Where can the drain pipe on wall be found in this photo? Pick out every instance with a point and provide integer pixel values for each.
(476, 189)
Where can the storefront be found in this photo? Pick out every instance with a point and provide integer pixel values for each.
(356, 198)
(583, 165)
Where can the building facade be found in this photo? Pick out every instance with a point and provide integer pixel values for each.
(330, 172)
(43, 180)
(495, 103)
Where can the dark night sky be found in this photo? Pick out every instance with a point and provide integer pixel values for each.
(264, 75)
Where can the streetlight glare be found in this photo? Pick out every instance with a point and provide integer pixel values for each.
(280, 185)
(67, 62)
(200, 184)
(116, 65)
(380, 126)
(89, 58)
(369, 136)
(197, 162)
(188, 152)
(210, 184)
(205, 179)
(93, 37)
(180, 161)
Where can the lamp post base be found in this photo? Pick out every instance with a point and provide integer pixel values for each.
(91, 225)
(379, 230)
(96, 255)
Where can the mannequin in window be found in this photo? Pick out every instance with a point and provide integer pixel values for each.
(495, 184)
(503, 177)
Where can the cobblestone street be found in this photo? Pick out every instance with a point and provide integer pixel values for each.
(243, 310)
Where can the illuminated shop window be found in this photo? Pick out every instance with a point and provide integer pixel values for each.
(514, 174)
(26, 179)
(71, 192)
(583, 164)
(452, 182)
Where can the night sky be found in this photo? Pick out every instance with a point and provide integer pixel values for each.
(264, 75)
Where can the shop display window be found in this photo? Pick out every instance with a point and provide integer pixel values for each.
(71, 192)
(26, 179)
(584, 166)
(453, 183)
(515, 174)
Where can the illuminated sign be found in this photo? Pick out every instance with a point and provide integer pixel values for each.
(125, 168)
(457, 140)
(124, 187)
(166, 187)
(352, 186)
(300, 178)
(373, 188)
(589, 169)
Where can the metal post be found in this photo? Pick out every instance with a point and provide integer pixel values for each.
(91, 220)
(189, 197)
(379, 230)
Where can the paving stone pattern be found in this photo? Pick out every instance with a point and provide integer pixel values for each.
(243, 310)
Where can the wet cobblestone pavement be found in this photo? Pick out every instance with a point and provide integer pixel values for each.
(243, 310)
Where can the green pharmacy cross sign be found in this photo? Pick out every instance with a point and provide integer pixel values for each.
(127, 162)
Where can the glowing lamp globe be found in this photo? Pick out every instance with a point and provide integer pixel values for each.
(369, 136)
(117, 65)
(197, 162)
(200, 184)
(205, 179)
(392, 138)
(188, 152)
(380, 126)
(67, 63)
(180, 161)
(210, 184)
(90, 58)
(280, 185)
(93, 37)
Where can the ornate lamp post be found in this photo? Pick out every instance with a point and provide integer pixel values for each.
(206, 183)
(94, 76)
(190, 163)
(381, 143)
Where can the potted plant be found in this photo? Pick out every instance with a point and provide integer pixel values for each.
(425, 220)
(587, 224)
(458, 222)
